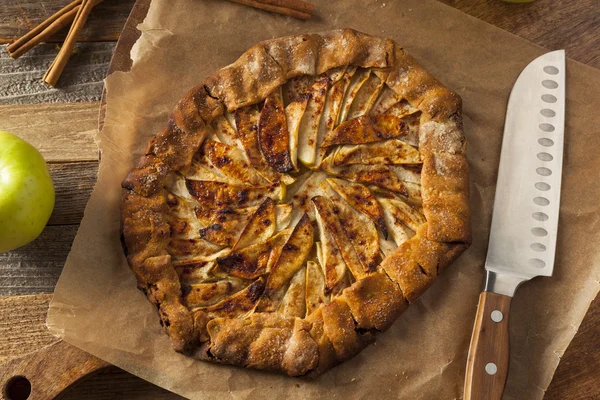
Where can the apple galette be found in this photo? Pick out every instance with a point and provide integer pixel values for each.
(298, 201)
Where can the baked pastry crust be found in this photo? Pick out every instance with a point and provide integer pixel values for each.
(342, 326)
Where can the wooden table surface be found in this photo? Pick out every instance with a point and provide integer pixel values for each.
(62, 123)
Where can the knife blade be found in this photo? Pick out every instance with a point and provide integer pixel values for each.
(524, 228)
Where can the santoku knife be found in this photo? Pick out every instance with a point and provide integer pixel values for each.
(525, 218)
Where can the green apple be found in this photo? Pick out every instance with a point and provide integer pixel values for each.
(26, 192)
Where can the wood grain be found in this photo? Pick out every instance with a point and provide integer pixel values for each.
(35, 267)
(23, 325)
(577, 374)
(50, 370)
(113, 383)
(23, 330)
(554, 24)
(489, 345)
(62, 132)
(73, 184)
(82, 80)
(104, 24)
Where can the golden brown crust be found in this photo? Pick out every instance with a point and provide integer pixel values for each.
(340, 329)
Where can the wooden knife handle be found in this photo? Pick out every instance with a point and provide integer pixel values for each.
(47, 372)
(487, 364)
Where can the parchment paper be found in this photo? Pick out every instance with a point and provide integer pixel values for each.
(97, 307)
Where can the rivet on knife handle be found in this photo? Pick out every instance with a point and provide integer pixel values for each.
(487, 365)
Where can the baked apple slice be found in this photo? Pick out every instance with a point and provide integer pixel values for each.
(392, 151)
(273, 136)
(309, 126)
(367, 95)
(293, 113)
(260, 227)
(315, 288)
(292, 257)
(358, 79)
(386, 99)
(222, 195)
(340, 79)
(230, 161)
(367, 129)
(329, 255)
(376, 175)
(246, 121)
(293, 304)
(403, 212)
(325, 211)
(361, 198)
(196, 295)
(255, 260)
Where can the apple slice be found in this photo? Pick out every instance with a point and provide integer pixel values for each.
(404, 213)
(309, 126)
(326, 213)
(197, 295)
(387, 98)
(307, 186)
(293, 304)
(340, 79)
(330, 256)
(359, 77)
(407, 173)
(297, 88)
(366, 96)
(395, 226)
(221, 195)
(260, 227)
(273, 136)
(401, 109)
(377, 175)
(283, 216)
(392, 151)
(240, 303)
(315, 288)
(360, 197)
(224, 131)
(204, 172)
(224, 226)
(361, 232)
(292, 257)
(224, 233)
(198, 249)
(246, 121)
(255, 260)
(387, 246)
(293, 254)
(411, 178)
(293, 114)
(182, 217)
(367, 129)
(230, 161)
(413, 121)
(194, 272)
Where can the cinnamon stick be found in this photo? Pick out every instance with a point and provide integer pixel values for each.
(274, 8)
(47, 28)
(12, 48)
(298, 5)
(58, 65)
